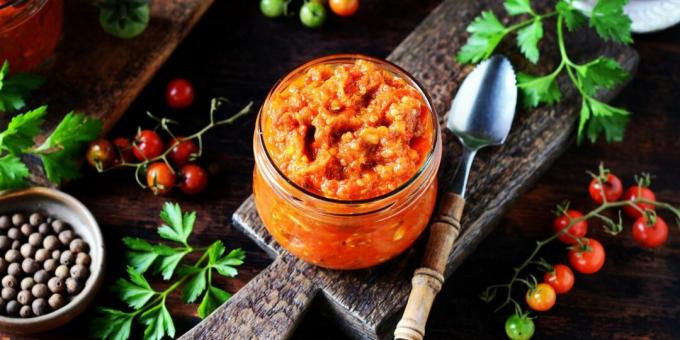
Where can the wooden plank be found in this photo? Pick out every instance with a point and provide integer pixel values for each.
(101, 75)
(367, 302)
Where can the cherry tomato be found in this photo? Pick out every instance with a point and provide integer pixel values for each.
(148, 144)
(160, 178)
(541, 298)
(183, 152)
(641, 192)
(312, 14)
(100, 154)
(612, 187)
(272, 8)
(650, 236)
(179, 94)
(519, 327)
(561, 278)
(579, 229)
(193, 180)
(587, 260)
(124, 149)
(344, 8)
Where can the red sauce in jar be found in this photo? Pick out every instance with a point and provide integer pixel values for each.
(29, 31)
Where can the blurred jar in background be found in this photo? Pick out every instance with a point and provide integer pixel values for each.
(29, 31)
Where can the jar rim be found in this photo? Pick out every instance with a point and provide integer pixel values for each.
(353, 57)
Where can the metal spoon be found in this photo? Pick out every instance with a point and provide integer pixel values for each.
(481, 115)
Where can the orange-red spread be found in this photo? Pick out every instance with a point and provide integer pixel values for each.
(348, 131)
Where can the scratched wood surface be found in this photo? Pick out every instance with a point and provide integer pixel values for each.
(367, 303)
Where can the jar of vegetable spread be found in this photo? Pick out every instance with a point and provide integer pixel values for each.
(347, 149)
(29, 31)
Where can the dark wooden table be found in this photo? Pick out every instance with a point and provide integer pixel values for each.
(237, 53)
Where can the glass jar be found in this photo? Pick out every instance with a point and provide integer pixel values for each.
(29, 31)
(343, 234)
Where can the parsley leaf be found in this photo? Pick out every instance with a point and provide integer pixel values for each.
(112, 324)
(142, 256)
(528, 38)
(610, 22)
(572, 17)
(600, 117)
(13, 172)
(62, 149)
(195, 286)
(213, 298)
(516, 7)
(14, 89)
(168, 263)
(178, 226)
(21, 130)
(600, 73)
(136, 292)
(225, 265)
(158, 323)
(538, 90)
(486, 32)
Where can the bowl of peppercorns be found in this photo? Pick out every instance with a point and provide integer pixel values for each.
(51, 259)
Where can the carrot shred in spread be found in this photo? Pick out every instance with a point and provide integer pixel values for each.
(348, 131)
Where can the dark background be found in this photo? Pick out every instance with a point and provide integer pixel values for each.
(237, 53)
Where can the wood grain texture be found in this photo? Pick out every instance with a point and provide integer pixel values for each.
(367, 302)
(100, 75)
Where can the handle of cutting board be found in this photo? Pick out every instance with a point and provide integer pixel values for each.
(428, 279)
(269, 307)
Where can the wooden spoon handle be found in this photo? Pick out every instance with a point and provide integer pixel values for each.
(428, 279)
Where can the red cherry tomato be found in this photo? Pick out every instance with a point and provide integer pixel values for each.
(100, 154)
(612, 187)
(194, 179)
(183, 152)
(124, 149)
(160, 178)
(579, 229)
(650, 236)
(179, 94)
(541, 298)
(344, 8)
(148, 144)
(561, 278)
(641, 192)
(587, 260)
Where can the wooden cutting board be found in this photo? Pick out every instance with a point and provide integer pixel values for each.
(367, 303)
(100, 75)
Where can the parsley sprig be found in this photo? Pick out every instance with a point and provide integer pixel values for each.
(15, 89)
(610, 23)
(59, 152)
(149, 305)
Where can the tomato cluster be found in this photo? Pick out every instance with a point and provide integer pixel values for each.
(313, 12)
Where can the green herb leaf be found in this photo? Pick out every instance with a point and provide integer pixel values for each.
(136, 292)
(168, 263)
(21, 131)
(64, 147)
(516, 7)
(225, 265)
(14, 89)
(572, 17)
(142, 255)
(158, 323)
(178, 225)
(600, 117)
(538, 90)
(486, 32)
(13, 172)
(528, 38)
(215, 251)
(600, 73)
(610, 22)
(195, 286)
(112, 324)
(213, 298)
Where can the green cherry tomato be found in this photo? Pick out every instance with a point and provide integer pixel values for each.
(519, 327)
(272, 8)
(124, 25)
(313, 14)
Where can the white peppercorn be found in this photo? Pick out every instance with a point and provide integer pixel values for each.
(16, 244)
(27, 250)
(13, 255)
(56, 301)
(56, 285)
(18, 219)
(8, 293)
(40, 290)
(41, 276)
(27, 283)
(26, 229)
(25, 297)
(35, 239)
(40, 306)
(14, 269)
(12, 307)
(79, 272)
(14, 233)
(73, 286)
(35, 219)
(66, 237)
(67, 258)
(84, 259)
(56, 254)
(51, 242)
(9, 281)
(29, 266)
(59, 226)
(26, 311)
(41, 255)
(5, 222)
(78, 245)
(44, 229)
(61, 272)
(50, 265)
